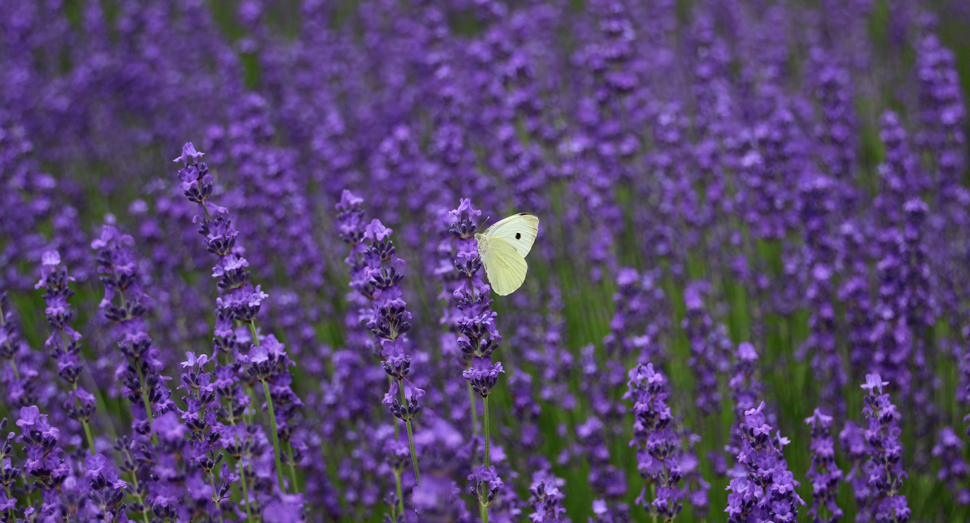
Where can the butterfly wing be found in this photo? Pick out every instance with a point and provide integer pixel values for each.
(519, 231)
(505, 267)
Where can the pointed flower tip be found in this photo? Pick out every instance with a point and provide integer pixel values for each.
(188, 151)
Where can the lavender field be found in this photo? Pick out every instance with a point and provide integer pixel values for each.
(749, 298)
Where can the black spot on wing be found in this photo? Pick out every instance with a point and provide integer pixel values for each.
(518, 236)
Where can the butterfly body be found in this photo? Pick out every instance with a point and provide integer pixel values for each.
(503, 248)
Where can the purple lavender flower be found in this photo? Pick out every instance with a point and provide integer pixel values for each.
(767, 491)
(824, 474)
(547, 499)
(19, 379)
(377, 274)
(267, 362)
(388, 319)
(46, 461)
(704, 348)
(661, 457)
(953, 468)
(143, 383)
(745, 391)
(882, 471)
(107, 489)
(64, 342)
(478, 337)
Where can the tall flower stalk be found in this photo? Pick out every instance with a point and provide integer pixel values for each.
(883, 469)
(663, 459)
(125, 305)
(377, 274)
(824, 474)
(267, 362)
(478, 337)
(64, 342)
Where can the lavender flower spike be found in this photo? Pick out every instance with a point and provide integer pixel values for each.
(767, 491)
(661, 458)
(267, 361)
(388, 319)
(64, 341)
(884, 467)
(478, 337)
(547, 498)
(824, 473)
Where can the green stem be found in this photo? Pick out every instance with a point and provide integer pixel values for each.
(276, 437)
(215, 492)
(485, 403)
(137, 494)
(242, 473)
(292, 468)
(400, 491)
(77, 402)
(397, 426)
(414, 456)
(245, 489)
(483, 511)
(148, 405)
(471, 402)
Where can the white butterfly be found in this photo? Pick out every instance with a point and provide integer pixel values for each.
(503, 248)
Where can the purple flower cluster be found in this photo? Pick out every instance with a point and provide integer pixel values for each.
(767, 491)
(64, 342)
(124, 305)
(823, 474)
(953, 467)
(219, 404)
(547, 499)
(663, 458)
(377, 274)
(881, 476)
(478, 337)
(18, 378)
(706, 348)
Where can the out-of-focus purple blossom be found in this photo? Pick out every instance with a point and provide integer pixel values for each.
(890, 335)
(18, 378)
(707, 342)
(836, 132)
(953, 468)
(818, 201)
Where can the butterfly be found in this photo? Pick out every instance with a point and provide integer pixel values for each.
(503, 248)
